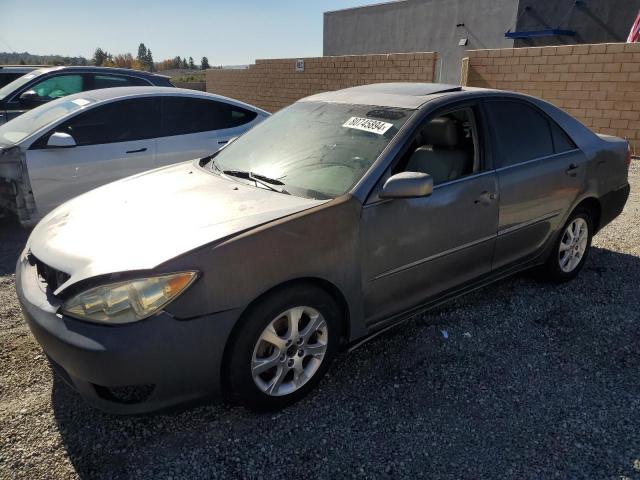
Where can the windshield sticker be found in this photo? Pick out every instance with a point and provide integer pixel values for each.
(81, 102)
(367, 125)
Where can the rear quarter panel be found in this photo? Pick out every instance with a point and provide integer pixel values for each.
(605, 156)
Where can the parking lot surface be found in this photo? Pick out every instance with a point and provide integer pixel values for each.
(520, 379)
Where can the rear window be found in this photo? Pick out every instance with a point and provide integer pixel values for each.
(184, 115)
(522, 133)
(110, 81)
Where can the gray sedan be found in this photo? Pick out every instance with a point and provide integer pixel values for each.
(245, 272)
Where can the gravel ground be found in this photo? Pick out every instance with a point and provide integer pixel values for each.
(533, 381)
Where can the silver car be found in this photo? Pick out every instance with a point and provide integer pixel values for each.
(244, 273)
(79, 142)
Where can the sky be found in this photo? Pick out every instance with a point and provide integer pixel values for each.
(226, 32)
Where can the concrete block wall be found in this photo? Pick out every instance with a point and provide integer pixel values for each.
(273, 84)
(200, 86)
(599, 83)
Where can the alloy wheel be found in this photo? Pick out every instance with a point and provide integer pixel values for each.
(573, 244)
(289, 351)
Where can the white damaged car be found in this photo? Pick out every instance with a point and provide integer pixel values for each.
(77, 143)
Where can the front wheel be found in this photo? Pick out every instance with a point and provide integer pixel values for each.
(572, 247)
(283, 347)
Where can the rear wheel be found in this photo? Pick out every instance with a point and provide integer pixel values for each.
(283, 347)
(571, 248)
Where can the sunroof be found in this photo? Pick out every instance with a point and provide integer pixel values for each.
(412, 89)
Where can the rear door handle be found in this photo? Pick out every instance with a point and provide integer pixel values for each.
(485, 198)
(144, 149)
(222, 142)
(571, 171)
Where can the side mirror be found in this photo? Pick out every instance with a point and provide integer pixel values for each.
(30, 97)
(408, 185)
(61, 140)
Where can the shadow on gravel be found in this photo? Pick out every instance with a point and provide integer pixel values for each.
(12, 240)
(532, 381)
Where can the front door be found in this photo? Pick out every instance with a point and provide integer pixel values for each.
(415, 249)
(59, 174)
(113, 141)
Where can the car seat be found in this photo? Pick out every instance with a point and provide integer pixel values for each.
(440, 153)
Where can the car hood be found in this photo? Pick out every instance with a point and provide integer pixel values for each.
(142, 221)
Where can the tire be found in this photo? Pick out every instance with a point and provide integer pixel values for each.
(562, 266)
(266, 372)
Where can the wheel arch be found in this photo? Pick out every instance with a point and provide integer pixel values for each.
(593, 205)
(325, 285)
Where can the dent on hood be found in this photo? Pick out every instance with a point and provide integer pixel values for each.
(15, 188)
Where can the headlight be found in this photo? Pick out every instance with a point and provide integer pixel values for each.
(128, 301)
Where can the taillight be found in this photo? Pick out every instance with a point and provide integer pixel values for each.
(628, 155)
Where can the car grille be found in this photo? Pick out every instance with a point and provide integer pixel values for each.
(49, 275)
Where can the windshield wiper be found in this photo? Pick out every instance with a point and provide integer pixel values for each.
(257, 178)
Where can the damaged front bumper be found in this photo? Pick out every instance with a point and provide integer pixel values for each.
(15, 188)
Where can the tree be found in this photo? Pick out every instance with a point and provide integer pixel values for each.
(191, 64)
(99, 57)
(145, 58)
(149, 62)
(204, 63)
(142, 53)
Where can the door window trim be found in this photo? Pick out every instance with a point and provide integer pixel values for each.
(537, 159)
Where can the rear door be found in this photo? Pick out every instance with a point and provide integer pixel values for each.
(196, 127)
(540, 171)
(113, 141)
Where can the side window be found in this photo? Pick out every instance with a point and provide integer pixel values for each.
(58, 86)
(109, 81)
(561, 141)
(121, 121)
(184, 115)
(521, 132)
(240, 116)
(445, 147)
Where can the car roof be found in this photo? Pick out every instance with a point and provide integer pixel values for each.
(400, 94)
(91, 69)
(109, 94)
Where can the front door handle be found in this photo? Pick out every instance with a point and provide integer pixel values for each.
(571, 171)
(144, 149)
(485, 198)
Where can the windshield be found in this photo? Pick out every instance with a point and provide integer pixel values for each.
(24, 125)
(314, 149)
(19, 82)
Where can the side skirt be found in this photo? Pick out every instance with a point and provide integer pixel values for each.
(388, 323)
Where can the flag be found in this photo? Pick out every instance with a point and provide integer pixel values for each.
(634, 34)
